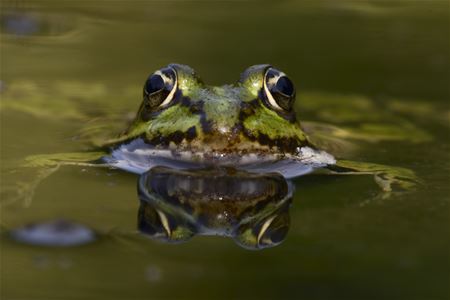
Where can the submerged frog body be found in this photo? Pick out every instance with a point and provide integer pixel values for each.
(250, 125)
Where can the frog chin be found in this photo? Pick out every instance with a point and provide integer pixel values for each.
(137, 157)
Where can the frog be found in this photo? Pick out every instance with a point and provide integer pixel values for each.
(251, 125)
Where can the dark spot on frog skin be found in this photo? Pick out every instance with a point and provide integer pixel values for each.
(285, 144)
(247, 109)
(176, 137)
(234, 136)
(197, 108)
(191, 133)
(184, 101)
(194, 107)
(207, 125)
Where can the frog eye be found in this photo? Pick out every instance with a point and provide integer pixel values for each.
(279, 90)
(160, 88)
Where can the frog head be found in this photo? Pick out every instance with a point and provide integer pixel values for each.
(185, 123)
(254, 115)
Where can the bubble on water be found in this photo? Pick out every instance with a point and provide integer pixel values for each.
(55, 233)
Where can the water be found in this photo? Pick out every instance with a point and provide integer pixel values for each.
(352, 63)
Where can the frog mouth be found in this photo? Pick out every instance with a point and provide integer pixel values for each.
(137, 157)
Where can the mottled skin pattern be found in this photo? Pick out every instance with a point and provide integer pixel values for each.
(230, 119)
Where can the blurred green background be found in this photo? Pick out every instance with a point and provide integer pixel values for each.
(97, 54)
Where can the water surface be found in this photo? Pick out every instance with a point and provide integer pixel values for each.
(352, 62)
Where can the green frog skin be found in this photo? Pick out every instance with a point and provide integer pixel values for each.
(250, 125)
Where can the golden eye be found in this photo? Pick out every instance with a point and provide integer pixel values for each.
(160, 88)
(279, 90)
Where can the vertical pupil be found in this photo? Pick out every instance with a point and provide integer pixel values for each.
(154, 83)
(285, 86)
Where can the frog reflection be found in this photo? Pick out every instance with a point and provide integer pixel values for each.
(251, 208)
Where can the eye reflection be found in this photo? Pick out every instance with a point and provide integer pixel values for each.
(250, 208)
